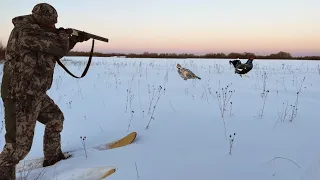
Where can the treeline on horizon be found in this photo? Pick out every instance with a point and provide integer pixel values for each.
(233, 55)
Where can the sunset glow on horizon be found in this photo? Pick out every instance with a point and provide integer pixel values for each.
(198, 26)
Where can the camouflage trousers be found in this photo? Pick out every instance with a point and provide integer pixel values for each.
(20, 120)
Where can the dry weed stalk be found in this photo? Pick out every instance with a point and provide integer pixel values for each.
(224, 97)
(159, 94)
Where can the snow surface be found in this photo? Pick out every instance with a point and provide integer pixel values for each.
(186, 139)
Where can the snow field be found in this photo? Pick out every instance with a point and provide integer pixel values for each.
(186, 137)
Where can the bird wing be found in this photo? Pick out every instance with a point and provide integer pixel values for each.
(189, 73)
(241, 67)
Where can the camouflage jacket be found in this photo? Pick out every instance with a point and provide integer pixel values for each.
(30, 58)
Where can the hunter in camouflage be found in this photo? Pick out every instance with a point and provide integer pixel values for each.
(186, 73)
(33, 48)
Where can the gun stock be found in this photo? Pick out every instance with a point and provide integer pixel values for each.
(75, 32)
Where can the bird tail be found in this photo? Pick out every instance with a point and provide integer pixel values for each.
(198, 77)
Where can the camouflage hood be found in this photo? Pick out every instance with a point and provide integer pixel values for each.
(21, 20)
(42, 14)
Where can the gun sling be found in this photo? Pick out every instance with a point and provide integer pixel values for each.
(87, 67)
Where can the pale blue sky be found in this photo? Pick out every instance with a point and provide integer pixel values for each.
(193, 26)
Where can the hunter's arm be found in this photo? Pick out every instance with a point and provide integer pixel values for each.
(72, 42)
(38, 40)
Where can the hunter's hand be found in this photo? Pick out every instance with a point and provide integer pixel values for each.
(68, 31)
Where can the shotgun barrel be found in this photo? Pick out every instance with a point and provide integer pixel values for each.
(76, 32)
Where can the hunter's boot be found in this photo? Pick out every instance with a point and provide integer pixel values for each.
(52, 160)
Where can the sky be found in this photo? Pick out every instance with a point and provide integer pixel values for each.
(185, 26)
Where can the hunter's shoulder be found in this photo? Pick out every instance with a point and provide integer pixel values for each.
(30, 28)
(25, 30)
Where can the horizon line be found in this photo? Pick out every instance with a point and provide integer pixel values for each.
(194, 53)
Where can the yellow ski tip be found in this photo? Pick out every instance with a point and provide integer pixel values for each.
(111, 171)
(128, 139)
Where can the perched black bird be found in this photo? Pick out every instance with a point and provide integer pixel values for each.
(242, 68)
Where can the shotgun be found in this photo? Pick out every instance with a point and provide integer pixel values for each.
(76, 32)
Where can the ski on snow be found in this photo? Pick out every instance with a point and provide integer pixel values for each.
(100, 172)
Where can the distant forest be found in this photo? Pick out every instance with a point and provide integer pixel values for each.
(234, 55)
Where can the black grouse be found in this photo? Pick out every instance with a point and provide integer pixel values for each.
(242, 68)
